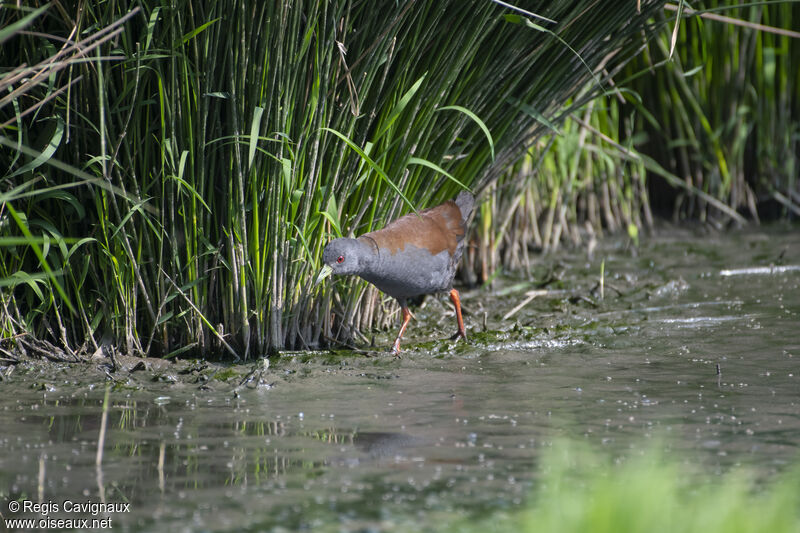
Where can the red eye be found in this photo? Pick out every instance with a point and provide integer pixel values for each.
(340, 259)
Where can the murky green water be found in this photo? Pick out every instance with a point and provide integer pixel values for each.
(371, 443)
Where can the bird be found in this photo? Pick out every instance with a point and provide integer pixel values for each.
(414, 255)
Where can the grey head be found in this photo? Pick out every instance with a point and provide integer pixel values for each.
(346, 256)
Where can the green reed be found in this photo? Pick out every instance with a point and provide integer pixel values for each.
(712, 133)
(722, 114)
(203, 155)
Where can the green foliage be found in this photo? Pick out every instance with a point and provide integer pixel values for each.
(584, 492)
(210, 150)
(722, 115)
(712, 133)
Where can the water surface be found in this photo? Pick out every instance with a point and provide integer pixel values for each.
(693, 346)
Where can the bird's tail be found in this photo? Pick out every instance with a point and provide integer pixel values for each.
(465, 202)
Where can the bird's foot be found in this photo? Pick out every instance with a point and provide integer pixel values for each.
(460, 334)
(396, 349)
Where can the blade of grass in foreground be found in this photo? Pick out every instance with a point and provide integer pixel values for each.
(579, 491)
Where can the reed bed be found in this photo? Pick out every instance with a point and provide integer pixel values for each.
(722, 115)
(176, 169)
(708, 130)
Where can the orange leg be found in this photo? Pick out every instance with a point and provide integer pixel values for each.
(462, 332)
(406, 319)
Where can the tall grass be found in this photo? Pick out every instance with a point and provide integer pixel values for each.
(218, 146)
(722, 115)
(711, 132)
(570, 187)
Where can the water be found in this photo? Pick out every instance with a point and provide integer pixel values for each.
(693, 349)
